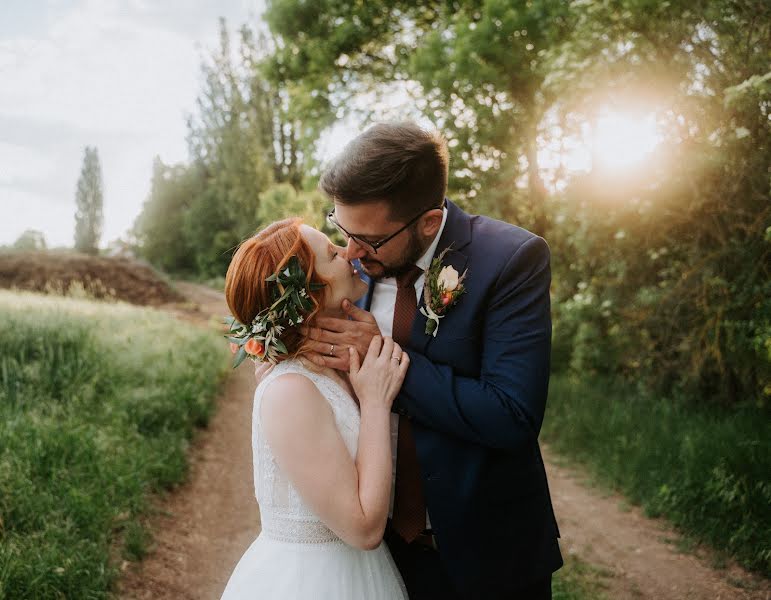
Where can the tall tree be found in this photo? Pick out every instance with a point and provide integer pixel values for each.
(227, 141)
(89, 199)
(477, 70)
(664, 275)
(160, 228)
(245, 137)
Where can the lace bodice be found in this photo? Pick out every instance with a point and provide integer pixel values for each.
(283, 513)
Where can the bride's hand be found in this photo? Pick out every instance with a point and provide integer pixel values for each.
(378, 379)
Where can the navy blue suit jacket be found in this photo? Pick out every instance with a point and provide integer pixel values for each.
(475, 395)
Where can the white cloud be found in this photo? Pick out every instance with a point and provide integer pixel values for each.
(23, 210)
(22, 163)
(99, 71)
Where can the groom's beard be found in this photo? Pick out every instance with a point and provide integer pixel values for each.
(412, 252)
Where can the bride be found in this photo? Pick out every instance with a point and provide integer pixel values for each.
(322, 464)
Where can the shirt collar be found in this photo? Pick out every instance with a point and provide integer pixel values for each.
(424, 262)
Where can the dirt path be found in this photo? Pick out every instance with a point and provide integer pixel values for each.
(207, 524)
(637, 556)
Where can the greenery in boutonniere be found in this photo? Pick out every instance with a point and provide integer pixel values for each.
(443, 289)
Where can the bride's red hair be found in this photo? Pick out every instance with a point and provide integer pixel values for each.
(259, 257)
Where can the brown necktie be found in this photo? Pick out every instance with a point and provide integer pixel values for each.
(409, 517)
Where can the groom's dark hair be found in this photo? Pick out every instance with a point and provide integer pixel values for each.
(399, 163)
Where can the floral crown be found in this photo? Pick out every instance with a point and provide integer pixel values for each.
(261, 340)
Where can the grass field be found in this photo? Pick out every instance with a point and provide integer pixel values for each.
(706, 470)
(577, 580)
(97, 405)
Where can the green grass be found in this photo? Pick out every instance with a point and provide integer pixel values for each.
(708, 471)
(97, 405)
(577, 580)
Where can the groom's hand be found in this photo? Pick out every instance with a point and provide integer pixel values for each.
(356, 333)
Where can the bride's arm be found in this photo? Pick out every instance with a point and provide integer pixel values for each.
(349, 496)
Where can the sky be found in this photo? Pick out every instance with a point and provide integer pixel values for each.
(120, 75)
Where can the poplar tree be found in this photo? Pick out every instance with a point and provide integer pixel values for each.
(89, 199)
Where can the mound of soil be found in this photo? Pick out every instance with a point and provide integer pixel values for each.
(99, 277)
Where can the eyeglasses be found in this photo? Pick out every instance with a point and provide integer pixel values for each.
(373, 246)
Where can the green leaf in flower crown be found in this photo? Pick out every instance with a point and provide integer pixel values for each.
(280, 346)
(283, 297)
(232, 323)
(235, 340)
(240, 356)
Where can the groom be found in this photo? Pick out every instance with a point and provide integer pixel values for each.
(471, 512)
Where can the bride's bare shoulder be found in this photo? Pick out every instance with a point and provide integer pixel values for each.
(291, 399)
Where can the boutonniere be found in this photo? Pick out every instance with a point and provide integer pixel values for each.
(442, 290)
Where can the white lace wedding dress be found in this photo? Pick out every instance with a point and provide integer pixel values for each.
(296, 556)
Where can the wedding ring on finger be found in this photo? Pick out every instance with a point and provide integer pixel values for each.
(396, 358)
(331, 350)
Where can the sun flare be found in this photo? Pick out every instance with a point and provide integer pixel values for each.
(610, 143)
(622, 140)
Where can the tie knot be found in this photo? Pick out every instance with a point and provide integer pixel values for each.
(409, 278)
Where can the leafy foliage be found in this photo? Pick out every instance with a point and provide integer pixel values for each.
(249, 163)
(664, 275)
(31, 239)
(660, 275)
(161, 227)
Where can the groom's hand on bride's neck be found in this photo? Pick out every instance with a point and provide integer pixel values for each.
(330, 339)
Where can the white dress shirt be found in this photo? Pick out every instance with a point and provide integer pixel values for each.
(382, 308)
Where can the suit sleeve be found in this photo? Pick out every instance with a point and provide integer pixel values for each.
(504, 407)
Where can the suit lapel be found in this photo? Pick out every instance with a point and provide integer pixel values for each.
(457, 235)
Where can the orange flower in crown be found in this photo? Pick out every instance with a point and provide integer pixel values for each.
(254, 348)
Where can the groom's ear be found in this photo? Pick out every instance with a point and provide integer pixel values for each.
(430, 223)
